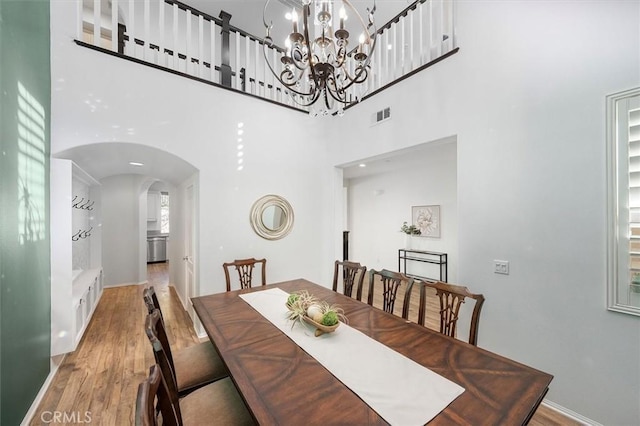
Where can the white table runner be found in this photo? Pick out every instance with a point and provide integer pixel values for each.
(400, 390)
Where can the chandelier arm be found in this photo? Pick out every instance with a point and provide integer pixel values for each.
(362, 69)
(264, 14)
(306, 11)
(338, 94)
(278, 76)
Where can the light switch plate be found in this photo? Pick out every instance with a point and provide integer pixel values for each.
(501, 267)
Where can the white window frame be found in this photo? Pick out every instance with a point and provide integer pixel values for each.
(621, 295)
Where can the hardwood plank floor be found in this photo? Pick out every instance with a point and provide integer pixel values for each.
(99, 381)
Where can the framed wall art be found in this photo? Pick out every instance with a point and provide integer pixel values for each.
(427, 220)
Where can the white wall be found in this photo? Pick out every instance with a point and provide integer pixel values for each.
(121, 229)
(378, 205)
(525, 96)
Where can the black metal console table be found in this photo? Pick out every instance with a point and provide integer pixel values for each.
(432, 257)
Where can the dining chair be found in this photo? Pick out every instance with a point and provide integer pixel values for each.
(451, 298)
(216, 403)
(193, 366)
(390, 282)
(350, 273)
(245, 271)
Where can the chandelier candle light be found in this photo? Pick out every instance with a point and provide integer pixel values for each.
(316, 64)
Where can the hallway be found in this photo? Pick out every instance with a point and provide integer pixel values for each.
(97, 383)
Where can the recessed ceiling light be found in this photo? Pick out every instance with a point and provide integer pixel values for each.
(135, 163)
(362, 165)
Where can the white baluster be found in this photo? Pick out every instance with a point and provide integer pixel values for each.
(437, 24)
(277, 68)
(403, 44)
(213, 50)
(420, 13)
(378, 61)
(258, 78)
(412, 37)
(131, 29)
(97, 24)
(201, 46)
(249, 88)
(430, 33)
(176, 59)
(80, 20)
(162, 58)
(146, 46)
(187, 63)
(114, 25)
(237, 62)
(449, 26)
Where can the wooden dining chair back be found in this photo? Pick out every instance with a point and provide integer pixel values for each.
(153, 400)
(193, 366)
(390, 282)
(245, 268)
(451, 297)
(350, 274)
(151, 300)
(217, 402)
(154, 328)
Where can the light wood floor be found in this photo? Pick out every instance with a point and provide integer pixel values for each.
(101, 377)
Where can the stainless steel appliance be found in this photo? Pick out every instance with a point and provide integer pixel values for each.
(156, 249)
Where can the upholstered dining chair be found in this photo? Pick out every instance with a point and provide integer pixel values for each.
(350, 274)
(193, 366)
(451, 297)
(215, 403)
(245, 267)
(390, 282)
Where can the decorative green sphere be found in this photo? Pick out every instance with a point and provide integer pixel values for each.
(330, 318)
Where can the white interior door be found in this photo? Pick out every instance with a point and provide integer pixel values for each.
(189, 258)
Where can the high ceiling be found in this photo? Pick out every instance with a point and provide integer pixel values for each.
(113, 158)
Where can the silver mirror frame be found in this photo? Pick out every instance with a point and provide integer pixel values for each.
(258, 209)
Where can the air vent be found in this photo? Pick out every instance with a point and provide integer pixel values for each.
(381, 115)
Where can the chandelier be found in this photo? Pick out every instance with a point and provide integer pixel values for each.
(318, 67)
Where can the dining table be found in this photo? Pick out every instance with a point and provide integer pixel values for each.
(282, 384)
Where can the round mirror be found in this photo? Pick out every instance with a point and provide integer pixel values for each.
(272, 217)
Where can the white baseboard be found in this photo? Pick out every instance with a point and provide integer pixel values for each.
(53, 369)
(571, 414)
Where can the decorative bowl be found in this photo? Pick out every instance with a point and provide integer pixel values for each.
(320, 328)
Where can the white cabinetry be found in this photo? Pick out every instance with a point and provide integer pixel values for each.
(76, 253)
(153, 206)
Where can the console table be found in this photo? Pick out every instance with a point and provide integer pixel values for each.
(433, 257)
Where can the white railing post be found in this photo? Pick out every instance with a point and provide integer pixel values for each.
(176, 59)
(237, 62)
(114, 25)
(162, 59)
(80, 20)
(247, 76)
(146, 49)
(132, 29)
(213, 50)
(420, 13)
(97, 24)
(258, 78)
(187, 64)
(200, 46)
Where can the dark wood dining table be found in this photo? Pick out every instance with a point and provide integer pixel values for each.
(281, 384)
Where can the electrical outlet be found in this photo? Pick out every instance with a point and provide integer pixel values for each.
(501, 267)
